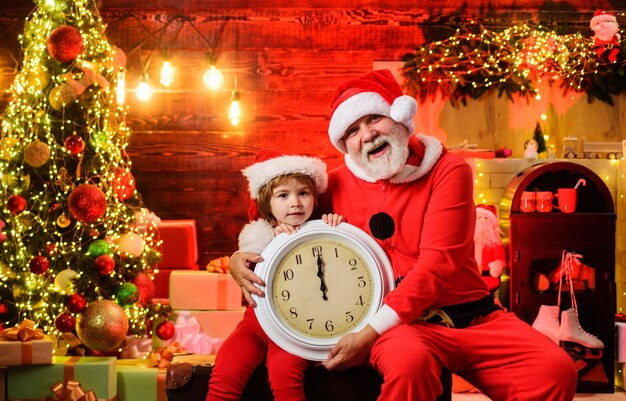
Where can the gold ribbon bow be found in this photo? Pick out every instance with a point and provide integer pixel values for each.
(25, 331)
(161, 357)
(73, 391)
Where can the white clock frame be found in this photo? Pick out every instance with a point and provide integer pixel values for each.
(310, 348)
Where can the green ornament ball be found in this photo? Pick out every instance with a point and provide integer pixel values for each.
(127, 294)
(97, 139)
(99, 247)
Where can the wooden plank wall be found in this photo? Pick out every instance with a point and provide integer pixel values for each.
(286, 58)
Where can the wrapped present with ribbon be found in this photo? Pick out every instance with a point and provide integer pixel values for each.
(216, 324)
(136, 347)
(162, 356)
(189, 335)
(92, 372)
(137, 380)
(25, 344)
(200, 290)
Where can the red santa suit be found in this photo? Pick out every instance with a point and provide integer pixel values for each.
(423, 217)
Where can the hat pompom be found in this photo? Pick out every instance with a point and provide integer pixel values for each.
(403, 109)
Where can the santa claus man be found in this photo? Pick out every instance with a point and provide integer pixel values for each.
(605, 35)
(488, 248)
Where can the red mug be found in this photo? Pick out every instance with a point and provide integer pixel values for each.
(544, 201)
(566, 200)
(527, 202)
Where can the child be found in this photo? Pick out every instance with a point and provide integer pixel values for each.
(284, 193)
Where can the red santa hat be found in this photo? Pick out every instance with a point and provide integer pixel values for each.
(271, 164)
(488, 211)
(601, 16)
(376, 92)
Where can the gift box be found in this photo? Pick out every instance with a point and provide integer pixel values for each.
(180, 244)
(31, 352)
(620, 342)
(36, 381)
(162, 283)
(214, 323)
(138, 381)
(203, 332)
(200, 290)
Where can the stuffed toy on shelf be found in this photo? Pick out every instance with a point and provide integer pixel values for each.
(488, 247)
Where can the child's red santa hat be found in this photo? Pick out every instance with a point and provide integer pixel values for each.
(602, 16)
(270, 164)
(488, 211)
(376, 92)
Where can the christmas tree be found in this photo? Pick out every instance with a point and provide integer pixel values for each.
(538, 136)
(74, 258)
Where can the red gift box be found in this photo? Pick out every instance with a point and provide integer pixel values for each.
(180, 244)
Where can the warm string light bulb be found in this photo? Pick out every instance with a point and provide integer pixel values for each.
(144, 90)
(121, 88)
(213, 78)
(234, 112)
(167, 73)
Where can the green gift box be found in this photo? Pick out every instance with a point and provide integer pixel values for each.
(36, 381)
(138, 381)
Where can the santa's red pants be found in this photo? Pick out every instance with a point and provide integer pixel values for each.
(242, 352)
(501, 355)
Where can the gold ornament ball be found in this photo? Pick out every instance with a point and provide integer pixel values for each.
(63, 221)
(36, 153)
(102, 326)
(61, 95)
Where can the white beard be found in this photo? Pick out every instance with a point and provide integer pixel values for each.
(392, 162)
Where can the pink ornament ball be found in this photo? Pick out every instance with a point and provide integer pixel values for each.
(65, 323)
(39, 265)
(16, 204)
(87, 203)
(65, 43)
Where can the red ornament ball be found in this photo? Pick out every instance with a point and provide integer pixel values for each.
(123, 183)
(65, 43)
(165, 330)
(74, 144)
(104, 264)
(16, 204)
(146, 288)
(65, 323)
(76, 303)
(39, 264)
(87, 203)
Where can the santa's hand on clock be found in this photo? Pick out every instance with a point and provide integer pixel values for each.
(241, 265)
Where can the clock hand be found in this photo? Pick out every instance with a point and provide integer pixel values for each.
(320, 274)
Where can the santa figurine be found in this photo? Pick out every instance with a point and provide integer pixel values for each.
(605, 36)
(488, 248)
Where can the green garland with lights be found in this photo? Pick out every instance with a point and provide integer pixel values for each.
(476, 60)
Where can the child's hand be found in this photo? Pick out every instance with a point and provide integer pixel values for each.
(333, 219)
(285, 228)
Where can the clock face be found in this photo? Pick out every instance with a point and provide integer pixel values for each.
(322, 288)
(321, 283)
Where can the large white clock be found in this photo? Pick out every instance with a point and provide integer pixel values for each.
(321, 283)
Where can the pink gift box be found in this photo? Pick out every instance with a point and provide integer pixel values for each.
(214, 323)
(201, 290)
(180, 244)
(32, 352)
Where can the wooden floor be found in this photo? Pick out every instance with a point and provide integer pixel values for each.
(619, 395)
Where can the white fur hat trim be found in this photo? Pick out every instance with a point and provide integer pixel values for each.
(263, 172)
(255, 236)
(366, 103)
